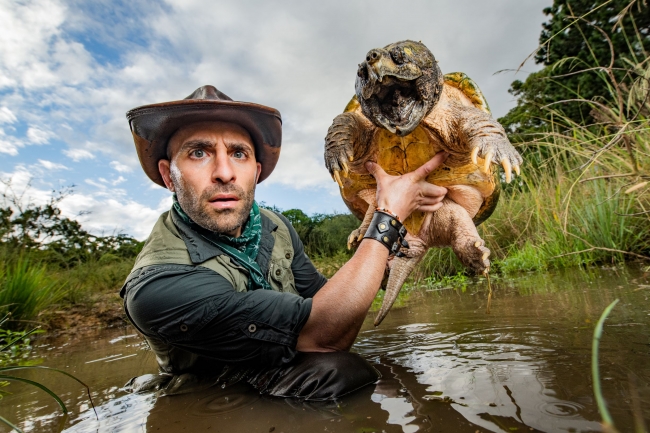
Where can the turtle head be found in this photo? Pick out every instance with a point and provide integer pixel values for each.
(398, 85)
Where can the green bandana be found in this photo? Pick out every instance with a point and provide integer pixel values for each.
(242, 249)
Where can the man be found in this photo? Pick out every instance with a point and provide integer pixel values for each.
(224, 290)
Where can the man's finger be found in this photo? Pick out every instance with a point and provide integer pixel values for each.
(430, 208)
(430, 190)
(430, 200)
(430, 165)
(375, 169)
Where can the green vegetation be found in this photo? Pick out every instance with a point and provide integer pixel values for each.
(576, 43)
(608, 423)
(26, 289)
(323, 235)
(48, 260)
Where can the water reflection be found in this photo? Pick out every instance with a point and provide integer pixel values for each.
(126, 414)
(496, 378)
(445, 364)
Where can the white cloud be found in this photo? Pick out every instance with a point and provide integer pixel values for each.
(51, 166)
(112, 216)
(9, 144)
(102, 213)
(296, 161)
(6, 115)
(118, 181)
(35, 51)
(78, 154)
(38, 136)
(119, 167)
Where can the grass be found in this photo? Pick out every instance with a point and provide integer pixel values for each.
(26, 288)
(31, 288)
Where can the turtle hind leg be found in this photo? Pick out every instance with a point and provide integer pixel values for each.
(451, 225)
(370, 197)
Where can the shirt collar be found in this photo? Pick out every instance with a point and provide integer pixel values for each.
(201, 250)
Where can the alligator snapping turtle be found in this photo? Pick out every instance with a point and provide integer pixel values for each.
(404, 112)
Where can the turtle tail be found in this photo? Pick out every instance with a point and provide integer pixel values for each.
(401, 268)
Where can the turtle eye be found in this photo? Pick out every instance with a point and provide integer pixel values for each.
(397, 55)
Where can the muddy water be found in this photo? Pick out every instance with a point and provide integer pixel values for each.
(447, 366)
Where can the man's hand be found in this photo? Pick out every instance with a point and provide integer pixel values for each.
(339, 308)
(409, 192)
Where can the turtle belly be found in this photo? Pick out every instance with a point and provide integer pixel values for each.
(400, 155)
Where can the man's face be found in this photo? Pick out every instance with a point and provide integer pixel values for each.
(212, 169)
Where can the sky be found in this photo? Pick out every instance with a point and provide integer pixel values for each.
(69, 71)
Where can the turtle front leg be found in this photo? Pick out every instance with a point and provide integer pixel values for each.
(452, 226)
(346, 141)
(487, 139)
(370, 197)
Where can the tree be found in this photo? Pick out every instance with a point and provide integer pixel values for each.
(580, 37)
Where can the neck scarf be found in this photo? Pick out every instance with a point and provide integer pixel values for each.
(242, 249)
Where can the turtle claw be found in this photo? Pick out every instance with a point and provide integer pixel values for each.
(475, 155)
(488, 160)
(337, 178)
(474, 254)
(355, 238)
(495, 149)
(507, 169)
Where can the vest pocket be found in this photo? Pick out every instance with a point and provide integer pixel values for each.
(281, 277)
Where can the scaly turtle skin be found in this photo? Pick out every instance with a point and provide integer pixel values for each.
(404, 112)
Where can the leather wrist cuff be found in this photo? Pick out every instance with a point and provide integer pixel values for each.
(387, 230)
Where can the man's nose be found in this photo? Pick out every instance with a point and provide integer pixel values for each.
(223, 170)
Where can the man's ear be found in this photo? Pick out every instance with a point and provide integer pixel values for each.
(164, 169)
(259, 170)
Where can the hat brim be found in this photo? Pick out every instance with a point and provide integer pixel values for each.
(153, 125)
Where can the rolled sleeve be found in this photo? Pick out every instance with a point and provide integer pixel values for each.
(196, 309)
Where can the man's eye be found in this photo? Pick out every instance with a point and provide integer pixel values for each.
(239, 154)
(198, 153)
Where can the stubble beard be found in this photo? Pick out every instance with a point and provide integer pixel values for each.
(196, 206)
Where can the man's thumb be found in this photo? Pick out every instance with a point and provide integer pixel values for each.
(374, 169)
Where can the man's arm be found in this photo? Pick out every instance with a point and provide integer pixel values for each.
(195, 309)
(339, 308)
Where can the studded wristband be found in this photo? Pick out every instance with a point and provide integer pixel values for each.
(387, 230)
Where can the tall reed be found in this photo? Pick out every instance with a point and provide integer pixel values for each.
(26, 289)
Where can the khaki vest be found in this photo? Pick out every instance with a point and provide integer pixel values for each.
(165, 246)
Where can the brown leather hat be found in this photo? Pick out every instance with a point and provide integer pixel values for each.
(153, 125)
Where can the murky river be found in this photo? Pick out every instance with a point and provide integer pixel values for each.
(447, 366)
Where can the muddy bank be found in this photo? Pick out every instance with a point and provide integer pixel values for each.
(80, 320)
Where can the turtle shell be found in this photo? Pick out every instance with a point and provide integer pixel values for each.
(399, 155)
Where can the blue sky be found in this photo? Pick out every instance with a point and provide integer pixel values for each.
(69, 70)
